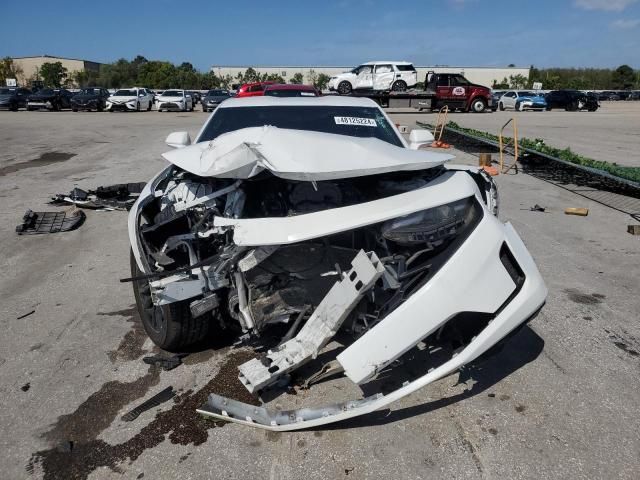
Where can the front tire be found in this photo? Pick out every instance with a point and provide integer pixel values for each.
(138, 107)
(501, 107)
(478, 105)
(171, 327)
(399, 86)
(344, 88)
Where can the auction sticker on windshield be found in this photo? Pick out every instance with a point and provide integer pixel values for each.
(365, 122)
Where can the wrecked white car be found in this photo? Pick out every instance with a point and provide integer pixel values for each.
(309, 219)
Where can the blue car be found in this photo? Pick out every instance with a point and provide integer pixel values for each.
(521, 101)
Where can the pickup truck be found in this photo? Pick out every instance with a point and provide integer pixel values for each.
(451, 89)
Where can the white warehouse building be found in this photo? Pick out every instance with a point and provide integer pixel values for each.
(480, 75)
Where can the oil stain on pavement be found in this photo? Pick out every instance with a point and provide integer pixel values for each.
(181, 423)
(130, 347)
(45, 159)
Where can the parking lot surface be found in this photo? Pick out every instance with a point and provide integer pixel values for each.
(612, 133)
(560, 401)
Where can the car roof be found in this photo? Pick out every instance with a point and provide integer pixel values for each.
(393, 62)
(290, 86)
(325, 101)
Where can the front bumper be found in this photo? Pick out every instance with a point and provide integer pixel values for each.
(461, 285)
(174, 106)
(533, 105)
(89, 105)
(121, 107)
(40, 105)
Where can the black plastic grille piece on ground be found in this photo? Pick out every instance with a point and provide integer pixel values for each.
(34, 223)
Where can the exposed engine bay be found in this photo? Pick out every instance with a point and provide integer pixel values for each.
(384, 262)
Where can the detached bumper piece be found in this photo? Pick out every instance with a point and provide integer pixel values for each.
(121, 196)
(34, 223)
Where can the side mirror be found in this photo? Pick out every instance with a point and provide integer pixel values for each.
(178, 140)
(419, 137)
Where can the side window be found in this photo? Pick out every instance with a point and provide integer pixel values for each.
(459, 81)
(364, 69)
(384, 69)
(511, 94)
(442, 81)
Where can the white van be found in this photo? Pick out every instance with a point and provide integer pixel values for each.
(396, 76)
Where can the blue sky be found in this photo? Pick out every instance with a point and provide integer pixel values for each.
(581, 33)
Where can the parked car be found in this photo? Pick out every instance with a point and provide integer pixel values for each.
(522, 101)
(571, 100)
(50, 99)
(175, 100)
(290, 90)
(609, 96)
(130, 100)
(195, 96)
(213, 98)
(255, 89)
(13, 98)
(379, 76)
(293, 219)
(90, 98)
(496, 95)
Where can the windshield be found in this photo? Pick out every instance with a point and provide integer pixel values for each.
(7, 91)
(217, 93)
(90, 91)
(173, 93)
(362, 122)
(291, 92)
(527, 94)
(125, 93)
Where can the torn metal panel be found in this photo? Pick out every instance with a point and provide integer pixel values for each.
(469, 282)
(319, 329)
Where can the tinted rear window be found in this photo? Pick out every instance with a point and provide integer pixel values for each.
(363, 122)
(406, 68)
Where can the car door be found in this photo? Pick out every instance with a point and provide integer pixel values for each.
(383, 76)
(23, 93)
(443, 91)
(509, 100)
(364, 78)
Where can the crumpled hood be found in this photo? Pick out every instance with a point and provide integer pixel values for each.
(298, 155)
(534, 98)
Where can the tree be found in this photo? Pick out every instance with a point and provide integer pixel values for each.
(249, 76)
(503, 85)
(623, 78)
(312, 76)
(297, 79)
(8, 69)
(53, 74)
(322, 81)
(518, 81)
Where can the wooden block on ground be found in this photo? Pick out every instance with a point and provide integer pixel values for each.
(583, 212)
(633, 229)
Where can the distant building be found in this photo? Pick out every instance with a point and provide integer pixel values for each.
(480, 75)
(30, 66)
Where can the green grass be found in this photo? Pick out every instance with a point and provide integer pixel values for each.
(538, 145)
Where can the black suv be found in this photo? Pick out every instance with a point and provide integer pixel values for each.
(90, 98)
(13, 98)
(50, 98)
(571, 100)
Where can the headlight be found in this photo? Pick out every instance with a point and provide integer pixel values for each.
(434, 226)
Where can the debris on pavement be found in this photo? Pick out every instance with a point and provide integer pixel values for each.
(582, 212)
(166, 363)
(161, 397)
(34, 223)
(120, 196)
(25, 387)
(537, 208)
(633, 229)
(24, 315)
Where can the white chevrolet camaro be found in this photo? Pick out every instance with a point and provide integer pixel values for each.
(293, 220)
